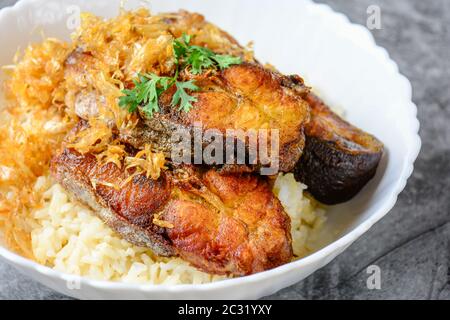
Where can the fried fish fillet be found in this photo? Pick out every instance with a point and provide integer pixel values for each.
(243, 97)
(221, 224)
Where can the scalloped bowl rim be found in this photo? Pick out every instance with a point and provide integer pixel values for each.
(366, 39)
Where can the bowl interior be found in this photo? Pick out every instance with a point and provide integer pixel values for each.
(345, 70)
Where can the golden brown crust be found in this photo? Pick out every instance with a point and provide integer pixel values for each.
(222, 224)
(245, 96)
(246, 232)
(330, 127)
(129, 210)
(248, 96)
(134, 201)
(242, 97)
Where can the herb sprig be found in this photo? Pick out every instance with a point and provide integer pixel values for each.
(149, 87)
(200, 58)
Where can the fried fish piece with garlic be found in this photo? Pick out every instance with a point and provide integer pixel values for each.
(128, 209)
(221, 224)
(243, 97)
(247, 98)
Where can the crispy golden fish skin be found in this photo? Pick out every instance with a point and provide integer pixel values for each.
(243, 97)
(339, 159)
(242, 229)
(129, 210)
(222, 224)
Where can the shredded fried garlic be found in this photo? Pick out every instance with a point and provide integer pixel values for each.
(114, 153)
(146, 162)
(92, 139)
(42, 94)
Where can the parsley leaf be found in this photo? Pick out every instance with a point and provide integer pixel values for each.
(181, 47)
(183, 96)
(200, 58)
(129, 100)
(225, 61)
(149, 87)
(150, 90)
(146, 91)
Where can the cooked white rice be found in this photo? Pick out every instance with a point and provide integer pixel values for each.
(70, 238)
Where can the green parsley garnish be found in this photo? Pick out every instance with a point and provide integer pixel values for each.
(181, 95)
(146, 91)
(149, 87)
(200, 58)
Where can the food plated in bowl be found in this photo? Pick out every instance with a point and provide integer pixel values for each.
(102, 194)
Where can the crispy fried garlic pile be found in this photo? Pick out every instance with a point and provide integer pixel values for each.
(39, 111)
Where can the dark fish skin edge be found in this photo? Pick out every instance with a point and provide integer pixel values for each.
(333, 173)
(81, 189)
(332, 176)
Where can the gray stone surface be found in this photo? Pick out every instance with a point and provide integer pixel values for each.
(412, 244)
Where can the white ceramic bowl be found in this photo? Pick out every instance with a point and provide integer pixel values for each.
(337, 58)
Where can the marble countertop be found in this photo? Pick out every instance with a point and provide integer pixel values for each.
(411, 245)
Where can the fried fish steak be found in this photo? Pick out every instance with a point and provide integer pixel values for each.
(339, 159)
(243, 97)
(238, 228)
(127, 210)
(221, 224)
